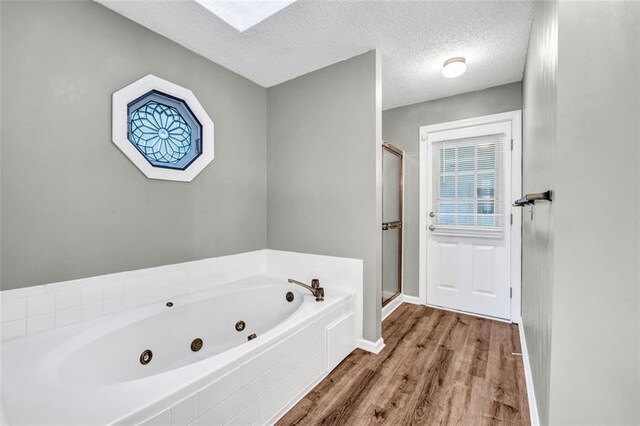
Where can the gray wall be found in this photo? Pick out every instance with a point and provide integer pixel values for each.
(580, 271)
(401, 127)
(595, 334)
(324, 155)
(72, 204)
(2, 419)
(539, 144)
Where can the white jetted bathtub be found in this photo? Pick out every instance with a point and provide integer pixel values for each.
(240, 353)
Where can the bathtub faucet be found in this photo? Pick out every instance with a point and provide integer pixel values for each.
(314, 288)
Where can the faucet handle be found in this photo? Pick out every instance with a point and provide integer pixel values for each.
(315, 283)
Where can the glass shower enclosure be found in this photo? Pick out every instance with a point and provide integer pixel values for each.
(392, 211)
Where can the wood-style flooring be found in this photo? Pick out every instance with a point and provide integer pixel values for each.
(438, 368)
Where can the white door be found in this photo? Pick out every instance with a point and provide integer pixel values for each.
(468, 209)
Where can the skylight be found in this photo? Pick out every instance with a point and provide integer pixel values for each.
(244, 14)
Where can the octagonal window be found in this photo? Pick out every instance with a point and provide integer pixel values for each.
(164, 130)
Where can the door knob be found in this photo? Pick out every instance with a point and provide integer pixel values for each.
(432, 214)
(432, 228)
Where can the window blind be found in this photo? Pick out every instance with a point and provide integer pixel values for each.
(468, 183)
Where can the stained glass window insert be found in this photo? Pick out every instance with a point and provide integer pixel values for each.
(164, 130)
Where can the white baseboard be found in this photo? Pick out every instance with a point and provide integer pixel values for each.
(369, 346)
(411, 299)
(392, 306)
(531, 393)
(297, 398)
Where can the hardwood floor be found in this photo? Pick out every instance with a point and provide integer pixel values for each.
(438, 368)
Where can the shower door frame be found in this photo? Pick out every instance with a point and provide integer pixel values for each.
(395, 151)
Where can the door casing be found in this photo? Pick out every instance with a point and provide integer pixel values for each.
(515, 117)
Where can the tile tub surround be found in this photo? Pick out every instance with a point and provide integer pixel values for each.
(262, 389)
(33, 309)
(242, 384)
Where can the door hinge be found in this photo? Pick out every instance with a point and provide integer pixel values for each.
(511, 144)
(512, 218)
(510, 292)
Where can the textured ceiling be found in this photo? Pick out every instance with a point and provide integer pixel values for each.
(413, 37)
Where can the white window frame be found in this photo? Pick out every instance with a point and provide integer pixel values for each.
(120, 128)
(471, 230)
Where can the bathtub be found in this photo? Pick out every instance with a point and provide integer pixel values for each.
(263, 344)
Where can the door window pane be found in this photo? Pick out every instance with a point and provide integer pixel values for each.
(465, 208)
(447, 214)
(465, 214)
(447, 208)
(486, 207)
(486, 210)
(446, 219)
(448, 160)
(486, 157)
(486, 185)
(447, 187)
(466, 182)
(466, 158)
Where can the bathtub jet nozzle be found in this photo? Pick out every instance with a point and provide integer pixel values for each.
(146, 356)
(196, 344)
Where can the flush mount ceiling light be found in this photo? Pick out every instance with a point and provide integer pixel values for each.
(454, 67)
(244, 14)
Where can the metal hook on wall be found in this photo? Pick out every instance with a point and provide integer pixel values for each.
(530, 199)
